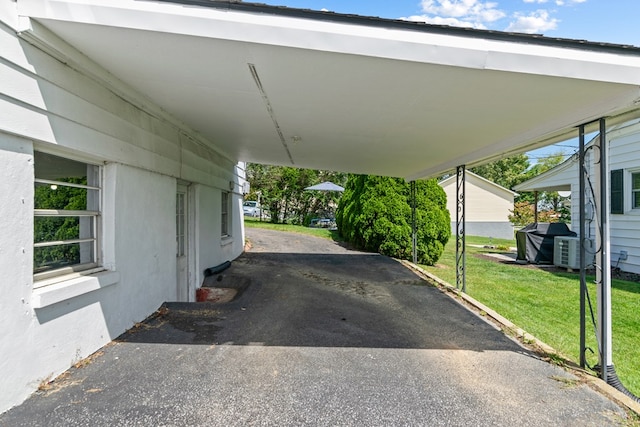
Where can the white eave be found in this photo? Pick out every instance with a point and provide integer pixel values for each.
(327, 91)
(558, 178)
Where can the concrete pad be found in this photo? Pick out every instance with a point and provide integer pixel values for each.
(321, 336)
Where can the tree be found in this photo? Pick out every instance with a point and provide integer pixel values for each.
(47, 229)
(523, 213)
(550, 200)
(374, 214)
(281, 190)
(506, 172)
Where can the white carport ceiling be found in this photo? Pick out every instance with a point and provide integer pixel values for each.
(347, 93)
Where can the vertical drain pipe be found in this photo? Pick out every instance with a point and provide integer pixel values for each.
(603, 273)
(603, 265)
(461, 279)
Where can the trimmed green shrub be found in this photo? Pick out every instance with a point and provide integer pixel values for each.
(374, 214)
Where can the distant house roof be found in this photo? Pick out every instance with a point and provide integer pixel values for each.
(452, 180)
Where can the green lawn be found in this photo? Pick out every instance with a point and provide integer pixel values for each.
(547, 305)
(543, 303)
(318, 232)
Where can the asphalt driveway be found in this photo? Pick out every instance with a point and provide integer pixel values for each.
(318, 335)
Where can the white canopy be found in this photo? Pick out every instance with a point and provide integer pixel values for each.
(326, 186)
(327, 91)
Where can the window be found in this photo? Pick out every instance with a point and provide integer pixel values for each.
(224, 216)
(66, 215)
(617, 191)
(635, 190)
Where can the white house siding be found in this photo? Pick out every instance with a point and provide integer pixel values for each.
(624, 229)
(624, 153)
(80, 112)
(487, 207)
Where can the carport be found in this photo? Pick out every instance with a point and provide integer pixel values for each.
(328, 91)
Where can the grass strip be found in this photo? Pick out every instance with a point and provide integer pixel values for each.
(546, 304)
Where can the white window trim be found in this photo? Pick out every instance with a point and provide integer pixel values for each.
(628, 189)
(65, 274)
(66, 287)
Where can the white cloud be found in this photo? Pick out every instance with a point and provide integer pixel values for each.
(533, 23)
(470, 13)
(557, 2)
(484, 14)
(438, 20)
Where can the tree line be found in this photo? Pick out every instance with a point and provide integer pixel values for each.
(376, 213)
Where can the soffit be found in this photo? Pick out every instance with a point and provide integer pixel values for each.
(341, 95)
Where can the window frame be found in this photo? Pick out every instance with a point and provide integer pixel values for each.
(225, 214)
(635, 193)
(95, 263)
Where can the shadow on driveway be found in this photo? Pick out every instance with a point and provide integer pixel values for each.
(323, 300)
(317, 336)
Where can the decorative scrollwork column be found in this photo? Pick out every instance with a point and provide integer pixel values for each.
(461, 282)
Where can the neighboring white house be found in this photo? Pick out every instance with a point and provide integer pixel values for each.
(149, 205)
(487, 206)
(624, 192)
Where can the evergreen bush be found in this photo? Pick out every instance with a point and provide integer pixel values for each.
(374, 214)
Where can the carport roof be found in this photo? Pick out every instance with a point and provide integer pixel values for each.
(348, 93)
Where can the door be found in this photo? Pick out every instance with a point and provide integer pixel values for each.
(182, 243)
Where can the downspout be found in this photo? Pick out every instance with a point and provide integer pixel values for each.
(603, 273)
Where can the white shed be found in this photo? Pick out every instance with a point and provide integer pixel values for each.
(488, 206)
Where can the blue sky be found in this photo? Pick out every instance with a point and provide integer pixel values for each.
(610, 21)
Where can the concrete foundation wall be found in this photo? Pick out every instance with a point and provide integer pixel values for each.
(498, 230)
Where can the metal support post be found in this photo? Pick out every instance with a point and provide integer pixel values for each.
(583, 230)
(461, 281)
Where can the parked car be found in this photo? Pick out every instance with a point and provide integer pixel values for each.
(322, 223)
(251, 208)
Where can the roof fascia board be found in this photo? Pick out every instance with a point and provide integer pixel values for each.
(474, 50)
(538, 39)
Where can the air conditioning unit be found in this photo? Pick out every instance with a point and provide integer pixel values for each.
(566, 252)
